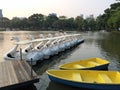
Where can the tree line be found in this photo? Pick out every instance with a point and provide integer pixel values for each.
(109, 20)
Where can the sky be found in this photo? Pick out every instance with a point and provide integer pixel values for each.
(68, 8)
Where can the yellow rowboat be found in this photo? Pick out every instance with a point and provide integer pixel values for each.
(92, 63)
(89, 79)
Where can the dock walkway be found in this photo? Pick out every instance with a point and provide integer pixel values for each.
(16, 73)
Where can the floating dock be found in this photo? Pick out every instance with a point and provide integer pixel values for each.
(16, 73)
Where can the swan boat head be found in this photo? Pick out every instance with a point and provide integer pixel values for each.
(11, 54)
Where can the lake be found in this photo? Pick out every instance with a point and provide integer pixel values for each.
(105, 45)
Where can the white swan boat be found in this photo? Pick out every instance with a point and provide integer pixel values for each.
(52, 46)
(46, 48)
(14, 54)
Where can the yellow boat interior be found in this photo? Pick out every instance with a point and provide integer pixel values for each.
(87, 76)
(84, 63)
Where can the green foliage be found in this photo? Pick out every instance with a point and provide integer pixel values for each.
(100, 23)
(50, 20)
(114, 20)
(79, 22)
(109, 20)
(111, 17)
(4, 22)
(36, 21)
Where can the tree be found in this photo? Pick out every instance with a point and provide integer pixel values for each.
(100, 23)
(59, 24)
(24, 24)
(69, 23)
(50, 20)
(5, 22)
(36, 21)
(79, 21)
(62, 17)
(112, 16)
(15, 22)
(114, 20)
(91, 23)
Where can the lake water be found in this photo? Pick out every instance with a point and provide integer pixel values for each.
(101, 44)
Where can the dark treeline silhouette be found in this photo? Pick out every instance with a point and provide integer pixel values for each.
(110, 20)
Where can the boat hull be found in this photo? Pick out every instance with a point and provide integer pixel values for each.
(88, 64)
(88, 79)
(101, 67)
(86, 85)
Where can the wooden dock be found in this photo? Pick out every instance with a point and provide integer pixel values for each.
(15, 74)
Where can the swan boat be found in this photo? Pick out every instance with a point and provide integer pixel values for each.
(46, 49)
(53, 49)
(92, 63)
(88, 79)
(52, 44)
(14, 54)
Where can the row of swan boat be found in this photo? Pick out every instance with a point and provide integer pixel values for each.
(87, 74)
(46, 47)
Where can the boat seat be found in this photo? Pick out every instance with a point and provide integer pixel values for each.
(78, 66)
(77, 77)
(106, 78)
(93, 63)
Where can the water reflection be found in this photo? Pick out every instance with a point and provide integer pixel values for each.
(26, 87)
(58, 86)
(110, 47)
